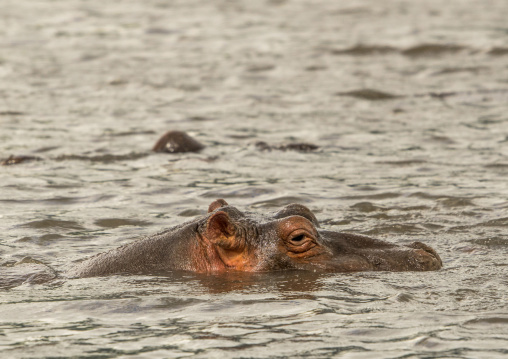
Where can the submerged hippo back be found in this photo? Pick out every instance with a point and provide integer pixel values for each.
(165, 251)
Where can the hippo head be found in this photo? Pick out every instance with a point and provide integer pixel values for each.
(229, 240)
(292, 239)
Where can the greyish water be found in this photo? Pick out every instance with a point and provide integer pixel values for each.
(408, 101)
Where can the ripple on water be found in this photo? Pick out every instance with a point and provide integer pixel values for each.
(403, 163)
(365, 50)
(281, 201)
(426, 50)
(192, 213)
(369, 94)
(27, 270)
(500, 320)
(445, 200)
(105, 158)
(53, 224)
(491, 241)
(373, 196)
(367, 207)
(238, 192)
(500, 222)
(119, 222)
(44, 240)
(419, 50)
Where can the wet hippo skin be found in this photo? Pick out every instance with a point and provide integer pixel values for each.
(227, 239)
(170, 142)
(177, 142)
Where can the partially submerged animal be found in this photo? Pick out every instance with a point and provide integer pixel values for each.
(177, 142)
(172, 142)
(227, 239)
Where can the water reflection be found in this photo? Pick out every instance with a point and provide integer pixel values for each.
(283, 282)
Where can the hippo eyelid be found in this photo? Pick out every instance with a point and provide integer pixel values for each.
(300, 237)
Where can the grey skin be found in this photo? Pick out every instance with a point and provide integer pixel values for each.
(227, 239)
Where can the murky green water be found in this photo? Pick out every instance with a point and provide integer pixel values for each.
(407, 100)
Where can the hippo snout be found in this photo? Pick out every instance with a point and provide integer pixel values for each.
(425, 257)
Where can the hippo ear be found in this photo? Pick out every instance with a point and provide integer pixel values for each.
(218, 203)
(221, 231)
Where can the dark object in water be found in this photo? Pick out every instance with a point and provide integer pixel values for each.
(369, 94)
(432, 50)
(300, 147)
(364, 50)
(177, 142)
(498, 51)
(14, 160)
(227, 239)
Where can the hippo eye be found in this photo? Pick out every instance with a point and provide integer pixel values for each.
(297, 239)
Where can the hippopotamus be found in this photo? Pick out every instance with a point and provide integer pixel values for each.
(227, 239)
(172, 142)
(177, 142)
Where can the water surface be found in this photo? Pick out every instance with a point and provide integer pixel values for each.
(407, 102)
